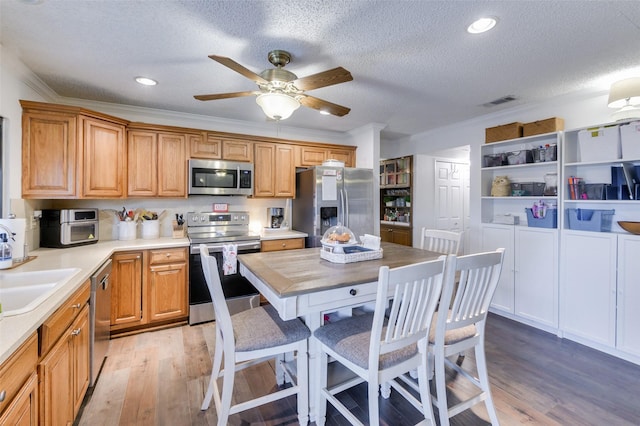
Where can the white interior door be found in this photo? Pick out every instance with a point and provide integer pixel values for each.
(450, 195)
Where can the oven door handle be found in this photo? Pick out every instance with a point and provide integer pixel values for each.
(217, 248)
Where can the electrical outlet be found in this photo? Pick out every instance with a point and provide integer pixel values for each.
(34, 222)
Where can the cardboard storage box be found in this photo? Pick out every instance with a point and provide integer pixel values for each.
(504, 132)
(599, 144)
(540, 127)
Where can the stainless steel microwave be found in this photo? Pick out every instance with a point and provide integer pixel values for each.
(220, 177)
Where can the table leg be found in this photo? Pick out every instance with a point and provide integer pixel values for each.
(313, 321)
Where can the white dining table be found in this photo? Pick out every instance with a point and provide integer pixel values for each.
(300, 284)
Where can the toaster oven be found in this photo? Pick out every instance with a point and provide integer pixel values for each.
(68, 227)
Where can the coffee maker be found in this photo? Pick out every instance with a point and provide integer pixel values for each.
(275, 217)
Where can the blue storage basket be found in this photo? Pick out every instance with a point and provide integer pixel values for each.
(550, 219)
(590, 220)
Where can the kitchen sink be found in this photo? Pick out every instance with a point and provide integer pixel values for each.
(24, 291)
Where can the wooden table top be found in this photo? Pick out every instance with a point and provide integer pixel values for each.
(296, 272)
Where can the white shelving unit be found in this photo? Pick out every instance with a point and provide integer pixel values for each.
(595, 172)
(520, 173)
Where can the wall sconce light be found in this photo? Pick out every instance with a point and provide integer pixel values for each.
(277, 106)
(625, 95)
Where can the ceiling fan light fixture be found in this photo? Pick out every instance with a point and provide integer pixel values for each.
(324, 112)
(146, 81)
(482, 25)
(277, 106)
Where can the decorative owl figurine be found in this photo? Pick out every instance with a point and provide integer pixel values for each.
(501, 187)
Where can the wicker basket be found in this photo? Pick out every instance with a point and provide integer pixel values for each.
(501, 187)
(327, 253)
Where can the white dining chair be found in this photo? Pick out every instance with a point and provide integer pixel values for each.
(440, 241)
(381, 348)
(248, 338)
(462, 327)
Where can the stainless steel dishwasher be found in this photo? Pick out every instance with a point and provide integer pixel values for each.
(99, 319)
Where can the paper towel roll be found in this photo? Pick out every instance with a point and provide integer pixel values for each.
(18, 226)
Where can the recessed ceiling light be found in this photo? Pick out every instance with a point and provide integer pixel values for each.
(482, 25)
(146, 81)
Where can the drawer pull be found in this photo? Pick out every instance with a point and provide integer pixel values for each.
(284, 244)
(76, 332)
(168, 255)
(353, 292)
(3, 395)
(76, 306)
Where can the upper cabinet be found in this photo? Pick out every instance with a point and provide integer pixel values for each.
(395, 200)
(274, 170)
(69, 152)
(315, 155)
(217, 147)
(157, 161)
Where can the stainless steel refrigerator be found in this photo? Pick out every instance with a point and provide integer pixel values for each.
(327, 196)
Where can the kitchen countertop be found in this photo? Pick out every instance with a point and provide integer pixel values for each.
(14, 330)
(281, 235)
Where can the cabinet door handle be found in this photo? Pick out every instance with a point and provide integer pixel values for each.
(76, 332)
(284, 244)
(76, 306)
(168, 255)
(3, 395)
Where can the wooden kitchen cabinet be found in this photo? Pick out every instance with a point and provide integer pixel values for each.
(237, 150)
(103, 159)
(23, 411)
(64, 369)
(126, 290)
(218, 147)
(314, 155)
(70, 152)
(19, 402)
(274, 170)
(209, 147)
(157, 164)
(150, 288)
(396, 234)
(167, 291)
(283, 244)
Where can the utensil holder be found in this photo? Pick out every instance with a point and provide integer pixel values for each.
(150, 229)
(127, 230)
(178, 230)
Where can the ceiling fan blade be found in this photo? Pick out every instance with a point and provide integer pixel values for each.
(224, 96)
(322, 105)
(230, 63)
(323, 79)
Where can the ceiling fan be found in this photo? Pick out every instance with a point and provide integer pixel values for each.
(280, 91)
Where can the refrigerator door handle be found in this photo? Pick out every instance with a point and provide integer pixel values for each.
(345, 207)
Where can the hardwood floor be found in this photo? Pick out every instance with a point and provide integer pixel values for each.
(159, 378)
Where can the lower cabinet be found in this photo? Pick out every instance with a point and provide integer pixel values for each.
(64, 367)
(150, 287)
(284, 244)
(19, 384)
(601, 290)
(396, 234)
(528, 286)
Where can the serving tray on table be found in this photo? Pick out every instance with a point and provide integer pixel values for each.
(350, 254)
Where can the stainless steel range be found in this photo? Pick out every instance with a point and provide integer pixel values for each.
(217, 230)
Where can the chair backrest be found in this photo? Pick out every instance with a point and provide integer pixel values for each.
(470, 282)
(445, 242)
(414, 290)
(212, 277)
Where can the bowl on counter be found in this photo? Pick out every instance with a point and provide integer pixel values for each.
(633, 227)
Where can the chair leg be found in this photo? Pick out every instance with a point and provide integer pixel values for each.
(385, 390)
(374, 413)
(425, 394)
(441, 389)
(302, 383)
(321, 400)
(227, 390)
(483, 376)
(215, 371)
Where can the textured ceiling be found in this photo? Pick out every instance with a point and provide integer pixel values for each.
(414, 66)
